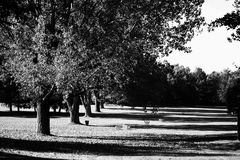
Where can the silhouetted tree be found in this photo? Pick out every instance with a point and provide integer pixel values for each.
(233, 100)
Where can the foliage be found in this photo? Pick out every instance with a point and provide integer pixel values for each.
(183, 88)
(29, 60)
(78, 45)
(231, 21)
(232, 95)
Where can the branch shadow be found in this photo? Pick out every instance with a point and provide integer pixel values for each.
(129, 116)
(188, 127)
(10, 156)
(32, 114)
(200, 119)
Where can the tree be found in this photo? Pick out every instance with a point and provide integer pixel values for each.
(233, 100)
(212, 88)
(225, 77)
(231, 21)
(182, 84)
(201, 85)
(117, 33)
(30, 61)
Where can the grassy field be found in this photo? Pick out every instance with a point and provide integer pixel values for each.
(199, 132)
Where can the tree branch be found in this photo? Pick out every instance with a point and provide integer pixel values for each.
(49, 93)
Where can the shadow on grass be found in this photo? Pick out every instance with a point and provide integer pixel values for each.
(167, 117)
(163, 138)
(10, 156)
(129, 116)
(199, 119)
(31, 114)
(164, 149)
(178, 127)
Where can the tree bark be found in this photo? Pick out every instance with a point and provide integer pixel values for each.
(43, 119)
(86, 101)
(59, 109)
(88, 112)
(238, 124)
(10, 106)
(102, 103)
(18, 102)
(73, 103)
(97, 101)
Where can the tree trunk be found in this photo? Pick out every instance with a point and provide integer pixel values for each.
(238, 124)
(18, 103)
(10, 106)
(55, 109)
(60, 108)
(102, 103)
(43, 119)
(73, 108)
(86, 101)
(97, 101)
(88, 112)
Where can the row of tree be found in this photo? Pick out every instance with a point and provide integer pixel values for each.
(157, 84)
(74, 47)
(149, 83)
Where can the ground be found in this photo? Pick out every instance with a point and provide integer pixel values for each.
(120, 132)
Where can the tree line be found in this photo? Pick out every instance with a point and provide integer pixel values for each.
(149, 83)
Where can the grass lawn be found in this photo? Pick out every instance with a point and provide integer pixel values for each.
(200, 132)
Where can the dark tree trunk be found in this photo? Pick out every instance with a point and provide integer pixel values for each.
(238, 124)
(54, 109)
(43, 119)
(73, 103)
(18, 103)
(10, 106)
(60, 108)
(102, 104)
(97, 101)
(86, 101)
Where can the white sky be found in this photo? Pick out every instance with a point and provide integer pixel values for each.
(211, 50)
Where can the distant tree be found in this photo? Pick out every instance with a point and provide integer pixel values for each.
(146, 85)
(225, 78)
(201, 85)
(212, 88)
(183, 86)
(233, 100)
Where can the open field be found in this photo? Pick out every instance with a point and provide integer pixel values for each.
(200, 132)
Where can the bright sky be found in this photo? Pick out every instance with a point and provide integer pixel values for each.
(211, 50)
